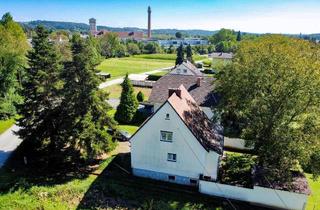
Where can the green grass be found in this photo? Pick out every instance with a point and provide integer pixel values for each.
(166, 56)
(5, 124)
(29, 194)
(128, 128)
(115, 91)
(314, 198)
(118, 67)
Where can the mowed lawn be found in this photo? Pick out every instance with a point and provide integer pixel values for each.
(115, 91)
(118, 67)
(314, 198)
(5, 124)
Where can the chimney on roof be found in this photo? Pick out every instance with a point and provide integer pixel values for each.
(175, 90)
(199, 81)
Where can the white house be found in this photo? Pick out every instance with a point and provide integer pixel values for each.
(177, 143)
(186, 68)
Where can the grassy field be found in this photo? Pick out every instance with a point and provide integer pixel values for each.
(129, 128)
(115, 91)
(109, 186)
(118, 67)
(5, 124)
(314, 198)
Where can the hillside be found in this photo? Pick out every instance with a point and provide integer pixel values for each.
(82, 27)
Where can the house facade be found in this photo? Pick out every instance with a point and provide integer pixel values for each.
(169, 147)
(186, 68)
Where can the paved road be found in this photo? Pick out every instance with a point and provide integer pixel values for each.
(8, 143)
(120, 80)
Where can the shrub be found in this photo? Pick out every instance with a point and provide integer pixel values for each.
(154, 77)
(207, 62)
(140, 96)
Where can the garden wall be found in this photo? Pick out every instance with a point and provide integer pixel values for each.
(235, 143)
(258, 195)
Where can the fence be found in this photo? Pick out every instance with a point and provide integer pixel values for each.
(148, 84)
(258, 195)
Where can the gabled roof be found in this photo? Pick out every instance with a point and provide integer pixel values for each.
(196, 120)
(202, 94)
(188, 65)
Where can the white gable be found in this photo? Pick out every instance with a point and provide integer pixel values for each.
(148, 152)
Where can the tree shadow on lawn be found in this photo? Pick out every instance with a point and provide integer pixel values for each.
(116, 187)
(41, 170)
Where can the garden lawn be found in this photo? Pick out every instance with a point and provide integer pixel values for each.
(115, 91)
(314, 198)
(118, 67)
(5, 124)
(131, 129)
(167, 57)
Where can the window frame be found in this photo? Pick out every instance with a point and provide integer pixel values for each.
(167, 132)
(174, 157)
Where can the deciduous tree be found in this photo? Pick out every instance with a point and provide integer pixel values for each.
(271, 92)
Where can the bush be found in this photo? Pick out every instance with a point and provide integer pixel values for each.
(207, 62)
(209, 71)
(140, 96)
(199, 65)
(154, 77)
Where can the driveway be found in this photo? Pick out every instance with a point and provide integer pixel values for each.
(8, 143)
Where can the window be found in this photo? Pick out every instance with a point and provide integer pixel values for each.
(184, 70)
(166, 136)
(171, 178)
(172, 157)
(167, 116)
(193, 181)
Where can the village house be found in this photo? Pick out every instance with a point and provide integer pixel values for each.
(199, 87)
(188, 146)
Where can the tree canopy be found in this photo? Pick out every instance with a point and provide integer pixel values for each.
(271, 96)
(180, 55)
(13, 48)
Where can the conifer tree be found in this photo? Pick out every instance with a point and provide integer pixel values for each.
(84, 106)
(189, 54)
(180, 55)
(41, 86)
(239, 36)
(128, 103)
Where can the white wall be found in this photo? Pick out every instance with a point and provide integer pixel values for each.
(236, 143)
(149, 153)
(259, 195)
(182, 70)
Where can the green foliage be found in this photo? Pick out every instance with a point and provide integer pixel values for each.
(239, 36)
(39, 113)
(224, 40)
(84, 107)
(189, 54)
(110, 45)
(207, 62)
(5, 124)
(236, 169)
(133, 49)
(140, 96)
(271, 93)
(178, 35)
(13, 47)
(180, 55)
(152, 48)
(128, 103)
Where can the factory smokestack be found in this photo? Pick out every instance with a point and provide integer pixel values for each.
(149, 22)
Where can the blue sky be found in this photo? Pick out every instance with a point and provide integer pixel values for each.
(262, 16)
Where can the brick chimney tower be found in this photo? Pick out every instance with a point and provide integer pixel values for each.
(149, 22)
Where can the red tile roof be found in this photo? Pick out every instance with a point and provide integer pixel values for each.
(196, 120)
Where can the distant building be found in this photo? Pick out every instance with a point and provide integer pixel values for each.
(124, 35)
(178, 42)
(93, 25)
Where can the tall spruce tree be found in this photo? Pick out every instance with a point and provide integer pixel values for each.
(239, 36)
(41, 85)
(189, 54)
(84, 107)
(128, 103)
(180, 55)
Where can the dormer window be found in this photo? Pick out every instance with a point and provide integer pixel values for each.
(167, 116)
